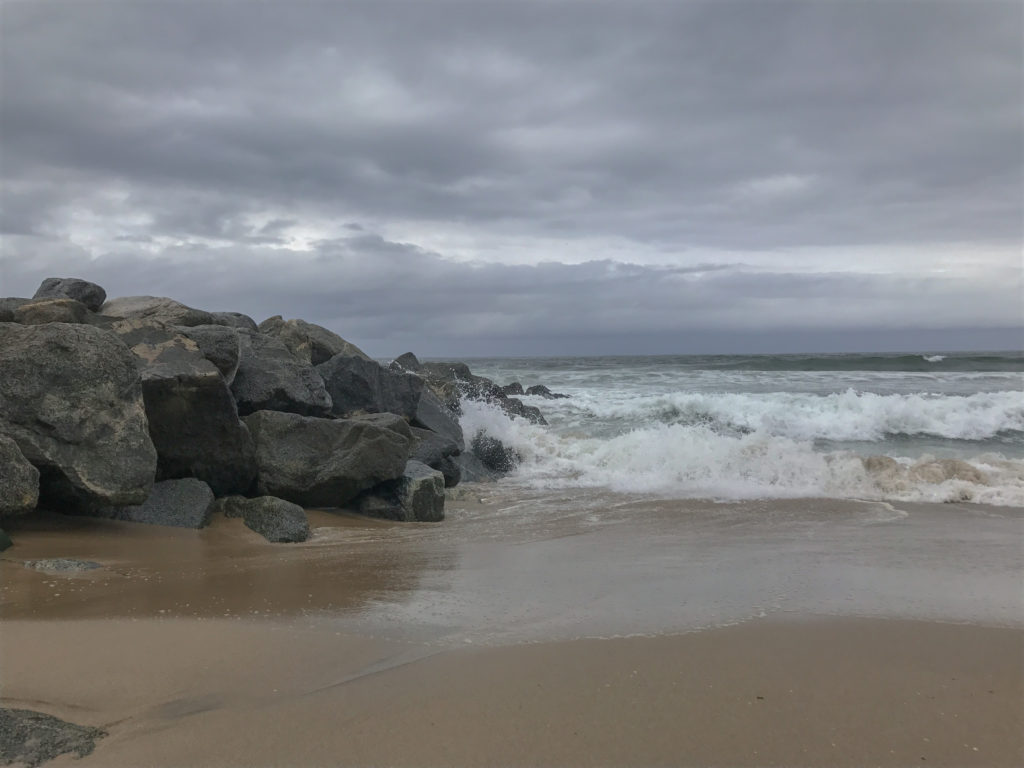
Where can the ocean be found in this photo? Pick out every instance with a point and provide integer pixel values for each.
(931, 427)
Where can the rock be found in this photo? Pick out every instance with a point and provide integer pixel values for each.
(407, 362)
(7, 307)
(229, 506)
(308, 342)
(89, 294)
(63, 565)
(494, 454)
(515, 388)
(234, 320)
(33, 738)
(447, 371)
(191, 413)
(391, 421)
(359, 385)
(184, 503)
(5, 540)
(539, 390)
(160, 309)
(274, 519)
(323, 462)
(219, 344)
(51, 311)
(19, 480)
(71, 398)
(271, 378)
(438, 452)
(418, 496)
(472, 470)
(434, 415)
(515, 407)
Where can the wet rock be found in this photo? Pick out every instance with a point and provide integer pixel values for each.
(494, 454)
(89, 294)
(472, 470)
(62, 565)
(71, 398)
(5, 540)
(271, 378)
(437, 452)
(539, 390)
(323, 462)
(418, 496)
(51, 311)
(515, 407)
(156, 308)
(310, 343)
(515, 388)
(19, 480)
(32, 738)
(272, 518)
(434, 415)
(184, 503)
(358, 385)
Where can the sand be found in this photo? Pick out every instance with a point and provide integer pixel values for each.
(495, 638)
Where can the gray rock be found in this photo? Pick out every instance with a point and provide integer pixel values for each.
(156, 308)
(5, 540)
(229, 506)
(310, 343)
(434, 415)
(539, 390)
(407, 362)
(33, 738)
(184, 503)
(62, 565)
(19, 480)
(71, 398)
(51, 311)
(219, 344)
(323, 462)
(359, 385)
(191, 413)
(234, 320)
(90, 294)
(417, 496)
(391, 421)
(437, 452)
(271, 378)
(7, 307)
(472, 470)
(274, 519)
(493, 453)
(515, 388)
(515, 407)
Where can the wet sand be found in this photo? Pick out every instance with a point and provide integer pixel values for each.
(768, 633)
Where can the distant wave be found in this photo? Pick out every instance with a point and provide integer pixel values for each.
(981, 363)
(933, 358)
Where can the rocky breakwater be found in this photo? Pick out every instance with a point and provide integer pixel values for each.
(142, 408)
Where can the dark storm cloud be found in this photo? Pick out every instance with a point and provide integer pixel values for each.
(207, 132)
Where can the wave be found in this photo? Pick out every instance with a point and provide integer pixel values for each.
(696, 460)
(845, 416)
(933, 358)
(1009, 362)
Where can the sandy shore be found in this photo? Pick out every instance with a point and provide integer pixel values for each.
(786, 633)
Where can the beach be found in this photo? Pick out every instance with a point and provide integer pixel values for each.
(553, 629)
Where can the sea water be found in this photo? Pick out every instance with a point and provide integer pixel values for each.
(915, 427)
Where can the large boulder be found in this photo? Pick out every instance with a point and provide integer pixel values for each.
(323, 462)
(406, 362)
(89, 294)
(184, 503)
(234, 320)
(434, 415)
(71, 398)
(539, 390)
(272, 518)
(417, 496)
(19, 480)
(271, 378)
(311, 343)
(359, 385)
(156, 308)
(52, 311)
(472, 470)
(438, 452)
(192, 417)
(8, 305)
(219, 344)
(493, 453)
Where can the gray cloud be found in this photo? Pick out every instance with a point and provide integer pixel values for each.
(663, 145)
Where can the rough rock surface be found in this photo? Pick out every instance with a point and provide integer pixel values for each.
(234, 320)
(539, 390)
(156, 308)
(407, 362)
(515, 407)
(310, 343)
(219, 344)
(493, 453)
(323, 462)
(8, 305)
(472, 470)
(271, 378)
(438, 452)
(71, 398)
(515, 388)
(272, 518)
(90, 294)
(417, 496)
(434, 415)
(62, 565)
(358, 385)
(51, 311)
(19, 480)
(32, 738)
(191, 413)
(184, 503)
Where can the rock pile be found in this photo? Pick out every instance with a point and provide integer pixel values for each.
(142, 408)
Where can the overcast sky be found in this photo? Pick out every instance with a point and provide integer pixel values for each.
(530, 178)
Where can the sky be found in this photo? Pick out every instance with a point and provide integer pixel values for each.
(530, 178)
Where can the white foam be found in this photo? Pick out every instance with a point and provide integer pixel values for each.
(933, 358)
